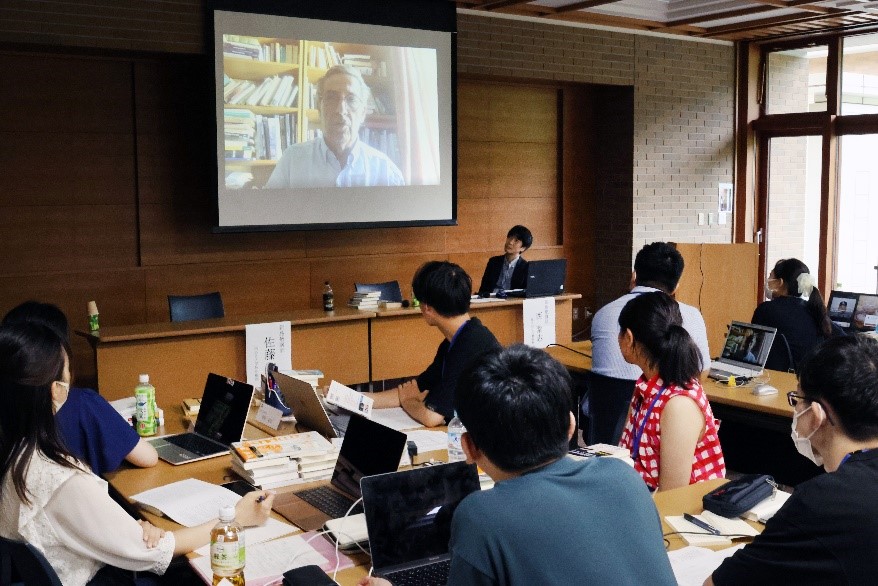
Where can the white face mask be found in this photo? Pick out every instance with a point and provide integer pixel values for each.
(803, 444)
(769, 294)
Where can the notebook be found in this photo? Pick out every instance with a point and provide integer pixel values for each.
(745, 351)
(368, 448)
(408, 518)
(544, 278)
(221, 420)
(308, 407)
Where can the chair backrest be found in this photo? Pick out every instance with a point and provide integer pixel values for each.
(781, 356)
(22, 563)
(191, 307)
(390, 290)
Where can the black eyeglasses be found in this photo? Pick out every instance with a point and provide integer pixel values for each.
(793, 398)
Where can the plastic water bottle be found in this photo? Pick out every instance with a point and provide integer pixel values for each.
(145, 407)
(455, 431)
(328, 297)
(227, 549)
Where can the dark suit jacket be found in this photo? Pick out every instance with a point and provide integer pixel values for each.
(492, 273)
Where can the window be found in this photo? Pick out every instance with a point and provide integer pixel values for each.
(859, 79)
(797, 80)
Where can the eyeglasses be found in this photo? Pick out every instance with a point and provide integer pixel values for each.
(793, 398)
(352, 101)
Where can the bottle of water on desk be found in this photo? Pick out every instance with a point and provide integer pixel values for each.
(227, 549)
(455, 431)
(145, 407)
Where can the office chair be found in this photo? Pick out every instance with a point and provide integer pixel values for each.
(390, 290)
(23, 564)
(781, 356)
(191, 307)
(608, 402)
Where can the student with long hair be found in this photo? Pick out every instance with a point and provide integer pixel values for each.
(51, 500)
(670, 431)
(797, 310)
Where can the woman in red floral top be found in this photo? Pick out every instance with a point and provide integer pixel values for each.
(671, 431)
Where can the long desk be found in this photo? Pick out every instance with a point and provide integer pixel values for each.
(754, 430)
(348, 345)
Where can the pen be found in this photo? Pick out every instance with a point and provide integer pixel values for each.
(698, 522)
(261, 498)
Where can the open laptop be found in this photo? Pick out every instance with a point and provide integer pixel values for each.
(368, 448)
(841, 308)
(221, 420)
(408, 517)
(544, 278)
(745, 351)
(308, 407)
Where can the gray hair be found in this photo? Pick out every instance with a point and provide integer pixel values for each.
(363, 92)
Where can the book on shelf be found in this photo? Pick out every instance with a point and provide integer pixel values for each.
(283, 446)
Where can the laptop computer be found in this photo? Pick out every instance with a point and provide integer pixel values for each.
(368, 448)
(221, 420)
(408, 518)
(866, 313)
(544, 278)
(745, 351)
(841, 308)
(308, 407)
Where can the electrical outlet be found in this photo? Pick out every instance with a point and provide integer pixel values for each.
(575, 313)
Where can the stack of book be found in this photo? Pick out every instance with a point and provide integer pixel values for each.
(191, 407)
(365, 300)
(273, 462)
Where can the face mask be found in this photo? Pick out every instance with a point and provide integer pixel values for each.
(768, 292)
(803, 444)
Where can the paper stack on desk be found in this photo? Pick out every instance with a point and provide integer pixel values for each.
(189, 502)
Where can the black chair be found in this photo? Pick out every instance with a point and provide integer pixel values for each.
(608, 402)
(23, 564)
(191, 307)
(781, 356)
(390, 290)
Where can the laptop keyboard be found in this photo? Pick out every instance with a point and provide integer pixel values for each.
(329, 501)
(195, 444)
(435, 574)
(723, 369)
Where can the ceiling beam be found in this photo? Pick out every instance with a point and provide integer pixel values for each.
(764, 23)
(624, 22)
(583, 5)
(720, 15)
(493, 5)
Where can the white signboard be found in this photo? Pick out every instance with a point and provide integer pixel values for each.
(539, 321)
(267, 343)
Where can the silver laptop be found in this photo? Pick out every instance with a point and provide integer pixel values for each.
(408, 517)
(745, 351)
(221, 420)
(308, 407)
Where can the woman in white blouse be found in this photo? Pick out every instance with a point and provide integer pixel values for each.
(54, 502)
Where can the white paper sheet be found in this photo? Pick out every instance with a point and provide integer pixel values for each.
(269, 342)
(692, 565)
(695, 535)
(189, 502)
(394, 418)
(269, 559)
(539, 321)
(253, 535)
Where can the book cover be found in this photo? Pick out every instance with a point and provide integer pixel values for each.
(291, 446)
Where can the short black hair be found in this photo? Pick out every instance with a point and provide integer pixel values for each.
(521, 233)
(659, 265)
(42, 313)
(515, 404)
(444, 286)
(843, 373)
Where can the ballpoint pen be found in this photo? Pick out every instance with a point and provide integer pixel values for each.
(698, 522)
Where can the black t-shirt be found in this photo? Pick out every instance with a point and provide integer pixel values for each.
(827, 533)
(442, 375)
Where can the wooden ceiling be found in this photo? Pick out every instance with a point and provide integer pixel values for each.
(730, 20)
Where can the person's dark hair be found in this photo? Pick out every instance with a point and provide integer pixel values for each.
(444, 286)
(515, 404)
(843, 373)
(521, 233)
(41, 313)
(658, 265)
(657, 326)
(788, 271)
(31, 359)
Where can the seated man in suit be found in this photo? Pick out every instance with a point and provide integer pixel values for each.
(549, 519)
(93, 431)
(657, 267)
(826, 532)
(443, 288)
(508, 270)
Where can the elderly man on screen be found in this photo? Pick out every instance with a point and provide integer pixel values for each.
(338, 158)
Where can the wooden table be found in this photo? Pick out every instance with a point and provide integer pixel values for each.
(178, 356)
(404, 345)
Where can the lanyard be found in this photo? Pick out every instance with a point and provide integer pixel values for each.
(635, 446)
(848, 456)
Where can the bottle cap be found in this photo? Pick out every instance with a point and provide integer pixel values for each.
(144, 378)
(326, 282)
(227, 513)
(92, 308)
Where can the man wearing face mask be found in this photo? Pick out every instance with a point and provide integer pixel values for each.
(826, 532)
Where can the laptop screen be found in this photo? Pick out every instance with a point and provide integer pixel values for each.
(866, 313)
(546, 277)
(408, 514)
(224, 408)
(748, 344)
(841, 308)
(367, 448)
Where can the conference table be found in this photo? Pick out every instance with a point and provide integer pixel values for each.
(349, 345)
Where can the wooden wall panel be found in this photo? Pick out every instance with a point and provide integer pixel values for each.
(519, 169)
(485, 222)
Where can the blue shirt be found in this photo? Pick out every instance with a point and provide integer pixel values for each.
(93, 431)
(312, 164)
